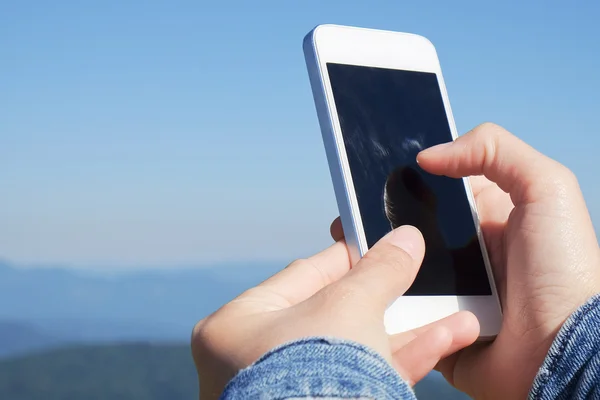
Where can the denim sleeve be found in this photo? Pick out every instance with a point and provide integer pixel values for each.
(323, 368)
(571, 369)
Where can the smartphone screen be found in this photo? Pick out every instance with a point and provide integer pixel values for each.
(387, 116)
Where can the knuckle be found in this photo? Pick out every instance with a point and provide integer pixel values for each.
(480, 144)
(490, 128)
(490, 149)
(211, 327)
(202, 333)
(558, 183)
(490, 133)
(487, 126)
(490, 138)
(298, 263)
(210, 334)
(568, 176)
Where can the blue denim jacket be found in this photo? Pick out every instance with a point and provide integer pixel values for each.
(327, 368)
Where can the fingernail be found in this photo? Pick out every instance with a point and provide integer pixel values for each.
(437, 147)
(408, 238)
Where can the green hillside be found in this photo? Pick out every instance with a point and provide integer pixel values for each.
(124, 372)
(117, 372)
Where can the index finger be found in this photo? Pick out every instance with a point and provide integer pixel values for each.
(305, 277)
(489, 150)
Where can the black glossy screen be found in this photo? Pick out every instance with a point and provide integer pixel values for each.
(387, 116)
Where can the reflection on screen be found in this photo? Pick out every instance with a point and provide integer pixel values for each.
(387, 117)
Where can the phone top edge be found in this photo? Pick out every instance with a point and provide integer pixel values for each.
(318, 28)
(342, 44)
(365, 29)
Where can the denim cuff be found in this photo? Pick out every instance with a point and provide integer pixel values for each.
(322, 368)
(572, 366)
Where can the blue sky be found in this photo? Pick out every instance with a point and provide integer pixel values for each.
(173, 132)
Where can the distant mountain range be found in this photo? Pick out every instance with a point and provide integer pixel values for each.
(136, 371)
(67, 333)
(53, 305)
(20, 337)
(132, 372)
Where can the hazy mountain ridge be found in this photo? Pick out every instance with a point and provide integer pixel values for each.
(137, 371)
(49, 343)
(132, 372)
(18, 337)
(142, 304)
(50, 306)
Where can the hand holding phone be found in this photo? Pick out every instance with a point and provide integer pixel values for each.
(543, 247)
(323, 297)
(381, 99)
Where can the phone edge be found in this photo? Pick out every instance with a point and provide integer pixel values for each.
(331, 149)
(342, 192)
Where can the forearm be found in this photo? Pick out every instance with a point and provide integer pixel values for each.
(319, 368)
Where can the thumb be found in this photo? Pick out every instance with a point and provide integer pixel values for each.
(389, 268)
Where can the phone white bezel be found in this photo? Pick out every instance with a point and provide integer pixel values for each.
(393, 50)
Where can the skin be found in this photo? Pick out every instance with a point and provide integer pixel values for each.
(543, 249)
(324, 296)
(542, 246)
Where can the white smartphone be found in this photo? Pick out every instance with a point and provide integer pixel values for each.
(380, 99)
